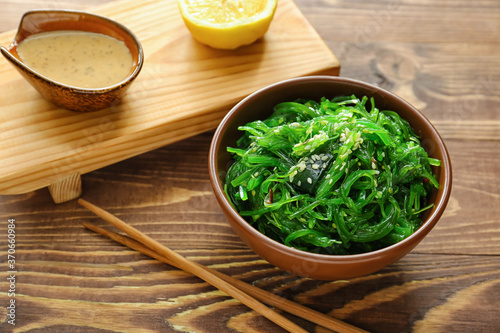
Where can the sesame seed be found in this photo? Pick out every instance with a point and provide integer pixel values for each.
(315, 166)
(302, 166)
(309, 180)
(299, 183)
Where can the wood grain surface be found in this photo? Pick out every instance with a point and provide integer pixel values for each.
(184, 89)
(441, 56)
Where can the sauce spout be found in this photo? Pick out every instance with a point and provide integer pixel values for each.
(27, 26)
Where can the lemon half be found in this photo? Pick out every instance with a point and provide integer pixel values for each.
(227, 24)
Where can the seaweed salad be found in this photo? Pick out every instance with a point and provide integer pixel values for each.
(334, 176)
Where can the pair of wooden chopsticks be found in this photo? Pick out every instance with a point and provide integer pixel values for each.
(245, 293)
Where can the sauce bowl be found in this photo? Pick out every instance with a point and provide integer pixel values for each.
(63, 95)
(259, 106)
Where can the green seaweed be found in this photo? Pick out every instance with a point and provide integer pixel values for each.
(331, 176)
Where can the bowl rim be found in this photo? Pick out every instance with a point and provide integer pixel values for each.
(129, 78)
(412, 240)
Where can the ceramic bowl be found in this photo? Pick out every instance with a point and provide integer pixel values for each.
(318, 266)
(62, 95)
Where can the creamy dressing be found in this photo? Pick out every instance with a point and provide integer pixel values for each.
(77, 58)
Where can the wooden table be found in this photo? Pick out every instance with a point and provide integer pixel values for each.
(442, 56)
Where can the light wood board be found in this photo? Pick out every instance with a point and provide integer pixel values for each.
(184, 88)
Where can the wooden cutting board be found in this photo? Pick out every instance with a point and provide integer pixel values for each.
(184, 88)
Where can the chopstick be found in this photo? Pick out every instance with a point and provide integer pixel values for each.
(140, 242)
(259, 294)
(189, 266)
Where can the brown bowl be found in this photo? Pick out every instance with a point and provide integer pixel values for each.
(319, 266)
(66, 96)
